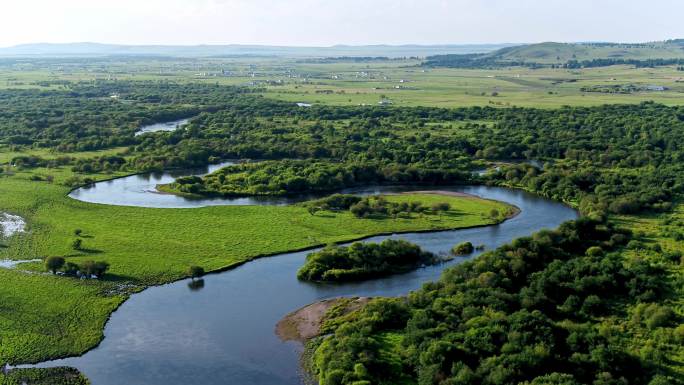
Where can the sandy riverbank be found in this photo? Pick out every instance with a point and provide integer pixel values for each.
(303, 324)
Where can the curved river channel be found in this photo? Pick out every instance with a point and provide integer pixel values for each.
(224, 332)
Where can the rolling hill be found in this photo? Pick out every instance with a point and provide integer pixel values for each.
(569, 54)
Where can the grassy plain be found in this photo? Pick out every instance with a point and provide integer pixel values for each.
(45, 317)
(403, 82)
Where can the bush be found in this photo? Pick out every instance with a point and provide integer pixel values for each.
(54, 263)
(463, 248)
(92, 268)
(195, 271)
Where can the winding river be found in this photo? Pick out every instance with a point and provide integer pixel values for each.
(222, 331)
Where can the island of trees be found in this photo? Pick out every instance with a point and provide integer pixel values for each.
(364, 261)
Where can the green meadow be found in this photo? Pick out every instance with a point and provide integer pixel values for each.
(403, 82)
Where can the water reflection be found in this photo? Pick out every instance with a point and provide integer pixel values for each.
(196, 284)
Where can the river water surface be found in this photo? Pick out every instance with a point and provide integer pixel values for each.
(224, 332)
(167, 126)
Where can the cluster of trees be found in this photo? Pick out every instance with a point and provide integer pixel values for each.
(43, 376)
(596, 192)
(376, 205)
(607, 144)
(364, 261)
(299, 176)
(614, 88)
(85, 269)
(101, 114)
(488, 61)
(474, 61)
(379, 206)
(607, 62)
(538, 311)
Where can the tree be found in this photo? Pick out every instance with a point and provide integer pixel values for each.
(71, 268)
(440, 208)
(97, 269)
(195, 272)
(494, 214)
(463, 248)
(54, 263)
(78, 232)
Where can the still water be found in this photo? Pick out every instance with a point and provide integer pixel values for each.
(167, 126)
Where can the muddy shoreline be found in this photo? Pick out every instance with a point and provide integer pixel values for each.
(305, 323)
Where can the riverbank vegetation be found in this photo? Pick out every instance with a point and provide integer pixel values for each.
(51, 376)
(364, 261)
(547, 309)
(378, 206)
(297, 176)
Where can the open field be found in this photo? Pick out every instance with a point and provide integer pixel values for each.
(153, 246)
(403, 82)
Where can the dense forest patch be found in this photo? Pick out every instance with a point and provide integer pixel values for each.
(545, 309)
(364, 261)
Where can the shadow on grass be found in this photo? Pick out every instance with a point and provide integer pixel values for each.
(84, 252)
(92, 251)
(110, 277)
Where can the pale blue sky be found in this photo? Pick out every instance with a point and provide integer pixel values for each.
(329, 22)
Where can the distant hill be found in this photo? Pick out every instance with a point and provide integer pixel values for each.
(570, 54)
(96, 49)
(550, 53)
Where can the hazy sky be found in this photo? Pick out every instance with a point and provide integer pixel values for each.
(329, 22)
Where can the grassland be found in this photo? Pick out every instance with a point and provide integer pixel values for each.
(45, 317)
(404, 82)
(558, 53)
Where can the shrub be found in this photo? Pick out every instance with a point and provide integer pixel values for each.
(463, 248)
(95, 268)
(54, 263)
(195, 271)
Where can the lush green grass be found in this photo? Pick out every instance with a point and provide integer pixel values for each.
(44, 316)
(6, 155)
